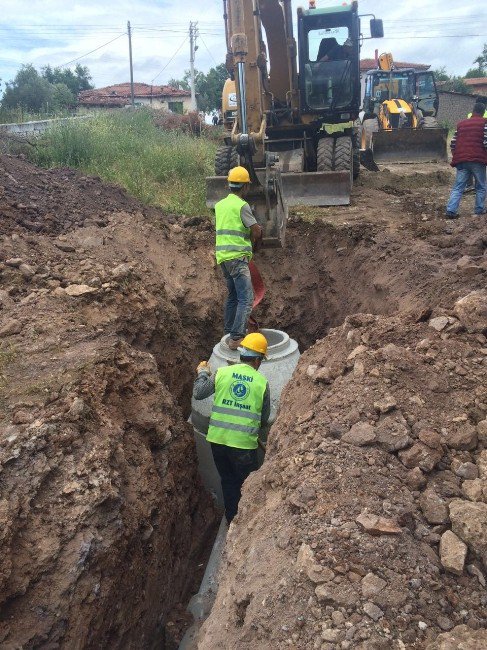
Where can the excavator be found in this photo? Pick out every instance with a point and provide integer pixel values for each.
(399, 122)
(294, 132)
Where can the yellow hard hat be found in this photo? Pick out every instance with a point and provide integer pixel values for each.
(254, 342)
(238, 175)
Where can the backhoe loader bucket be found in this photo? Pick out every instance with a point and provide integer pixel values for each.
(301, 188)
(410, 146)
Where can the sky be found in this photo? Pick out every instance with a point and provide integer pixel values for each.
(446, 33)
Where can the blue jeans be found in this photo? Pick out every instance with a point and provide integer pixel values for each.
(240, 297)
(464, 170)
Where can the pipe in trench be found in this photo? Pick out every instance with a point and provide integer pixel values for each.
(283, 356)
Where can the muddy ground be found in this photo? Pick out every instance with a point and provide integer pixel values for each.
(106, 307)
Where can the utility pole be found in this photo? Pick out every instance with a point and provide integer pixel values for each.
(193, 35)
(129, 31)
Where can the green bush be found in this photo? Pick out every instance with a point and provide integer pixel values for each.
(163, 168)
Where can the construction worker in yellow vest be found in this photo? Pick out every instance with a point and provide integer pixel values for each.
(238, 236)
(241, 406)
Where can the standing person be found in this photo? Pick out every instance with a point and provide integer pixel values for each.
(469, 147)
(215, 119)
(241, 406)
(470, 185)
(238, 236)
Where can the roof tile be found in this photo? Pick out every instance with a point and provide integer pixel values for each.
(119, 94)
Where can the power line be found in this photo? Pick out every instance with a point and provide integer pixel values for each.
(439, 36)
(170, 60)
(206, 46)
(95, 50)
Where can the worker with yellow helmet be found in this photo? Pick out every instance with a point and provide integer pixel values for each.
(241, 406)
(237, 237)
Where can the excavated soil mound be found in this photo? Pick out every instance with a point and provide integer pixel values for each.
(103, 520)
(366, 526)
(105, 308)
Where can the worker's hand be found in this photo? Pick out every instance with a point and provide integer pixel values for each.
(203, 366)
(256, 234)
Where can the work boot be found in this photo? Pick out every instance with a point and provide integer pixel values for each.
(234, 344)
(451, 215)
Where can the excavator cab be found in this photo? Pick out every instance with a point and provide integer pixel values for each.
(326, 55)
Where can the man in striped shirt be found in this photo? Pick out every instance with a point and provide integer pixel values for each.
(469, 148)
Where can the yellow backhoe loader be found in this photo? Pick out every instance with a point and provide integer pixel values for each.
(399, 123)
(295, 133)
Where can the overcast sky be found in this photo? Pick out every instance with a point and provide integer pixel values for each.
(439, 32)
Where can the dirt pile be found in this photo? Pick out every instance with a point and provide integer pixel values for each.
(105, 308)
(366, 526)
(103, 518)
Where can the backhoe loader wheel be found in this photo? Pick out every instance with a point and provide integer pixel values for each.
(429, 122)
(226, 158)
(324, 155)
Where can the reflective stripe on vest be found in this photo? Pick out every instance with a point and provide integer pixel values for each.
(237, 407)
(232, 237)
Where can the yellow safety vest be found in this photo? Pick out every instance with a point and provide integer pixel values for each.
(232, 237)
(236, 415)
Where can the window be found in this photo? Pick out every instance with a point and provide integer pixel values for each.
(327, 44)
(176, 107)
(395, 85)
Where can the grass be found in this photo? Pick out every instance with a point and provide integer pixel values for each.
(162, 168)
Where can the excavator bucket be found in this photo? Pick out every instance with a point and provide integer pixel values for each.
(410, 146)
(269, 207)
(294, 188)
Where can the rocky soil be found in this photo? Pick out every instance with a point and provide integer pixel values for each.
(105, 308)
(367, 525)
(103, 519)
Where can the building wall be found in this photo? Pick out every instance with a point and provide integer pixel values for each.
(480, 89)
(156, 103)
(454, 107)
(27, 129)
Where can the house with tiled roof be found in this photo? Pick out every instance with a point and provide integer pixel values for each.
(477, 85)
(371, 64)
(119, 96)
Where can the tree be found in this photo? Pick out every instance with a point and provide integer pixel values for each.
(62, 97)
(209, 87)
(28, 90)
(450, 82)
(441, 74)
(481, 61)
(179, 84)
(52, 90)
(474, 73)
(76, 81)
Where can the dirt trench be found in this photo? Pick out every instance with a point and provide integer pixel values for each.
(106, 308)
